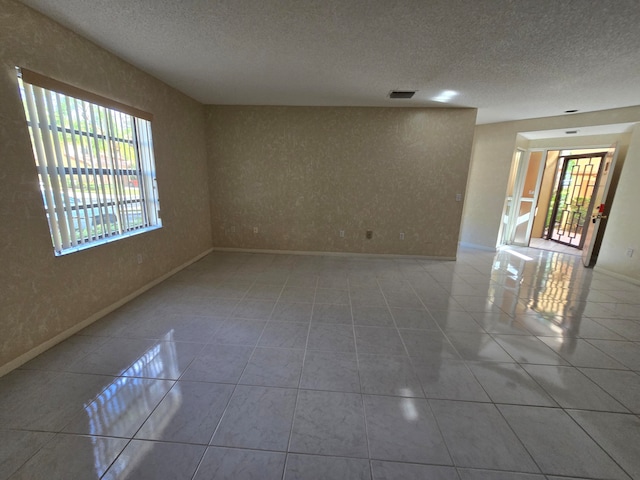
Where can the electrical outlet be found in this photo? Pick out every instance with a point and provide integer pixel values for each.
(233, 229)
(401, 235)
(369, 234)
(255, 229)
(458, 197)
(139, 258)
(630, 252)
(341, 233)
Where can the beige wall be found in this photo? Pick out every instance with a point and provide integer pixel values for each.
(493, 149)
(42, 295)
(623, 224)
(303, 174)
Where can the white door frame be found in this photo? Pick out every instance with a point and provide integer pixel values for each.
(512, 220)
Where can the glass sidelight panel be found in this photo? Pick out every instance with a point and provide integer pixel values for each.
(530, 186)
(509, 213)
(520, 205)
(524, 220)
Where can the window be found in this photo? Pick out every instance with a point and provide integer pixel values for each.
(95, 164)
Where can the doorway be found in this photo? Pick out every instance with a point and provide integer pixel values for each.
(572, 200)
(550, 198)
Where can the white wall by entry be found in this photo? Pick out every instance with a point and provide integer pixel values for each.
(623, 228)
(493, 149)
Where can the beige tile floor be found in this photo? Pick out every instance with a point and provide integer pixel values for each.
(518, 365)
(554, 246)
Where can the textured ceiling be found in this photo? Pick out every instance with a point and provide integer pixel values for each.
(511, 59)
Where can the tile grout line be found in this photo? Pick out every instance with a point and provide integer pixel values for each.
(427, 400)
(208, 445)
(361, 394)
(295, 406)
(224, 410)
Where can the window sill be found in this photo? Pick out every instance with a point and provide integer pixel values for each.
(96, 243)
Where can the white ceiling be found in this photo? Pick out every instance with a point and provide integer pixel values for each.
(611, 129)
(511, 59)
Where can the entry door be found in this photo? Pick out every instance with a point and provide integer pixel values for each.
(599, 210)
(574, 200)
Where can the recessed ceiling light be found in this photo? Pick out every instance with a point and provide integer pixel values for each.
(402, 93)
(445, 96)
(570, 111)
(571, 132)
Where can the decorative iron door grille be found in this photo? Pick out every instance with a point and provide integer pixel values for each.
(573, 200)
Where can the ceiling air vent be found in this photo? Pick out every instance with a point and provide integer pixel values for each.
(402, 93)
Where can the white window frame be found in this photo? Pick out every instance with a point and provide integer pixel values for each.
(95, 164)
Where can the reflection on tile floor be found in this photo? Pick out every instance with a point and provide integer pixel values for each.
(543, 244)
(519, 364)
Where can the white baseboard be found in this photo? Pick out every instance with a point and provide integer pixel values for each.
(330, 254)
(34, 352)
(619, 276)
(475, 246)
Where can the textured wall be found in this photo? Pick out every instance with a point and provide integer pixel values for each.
(41, 295)
(303, 174)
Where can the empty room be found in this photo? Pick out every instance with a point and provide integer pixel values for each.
(320, 240)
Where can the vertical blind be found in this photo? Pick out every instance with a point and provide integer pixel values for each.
(95, 166)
